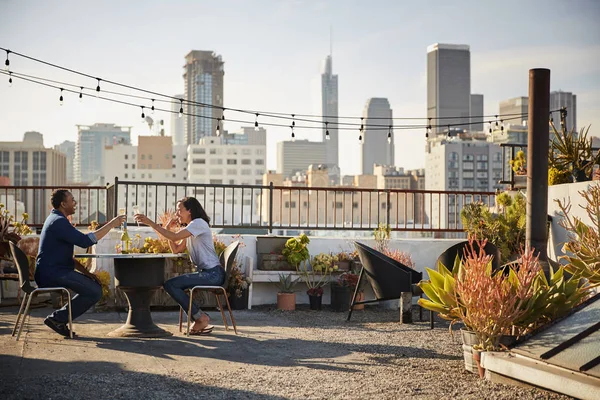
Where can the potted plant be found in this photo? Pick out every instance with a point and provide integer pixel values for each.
(269, 253)
(572, 153)
(382, 237)
(11, 229)
(286, 297)
(519, 167)
(316, 277)
(342, 261)
(237, 288)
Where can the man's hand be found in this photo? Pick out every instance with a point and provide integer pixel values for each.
(117, 221)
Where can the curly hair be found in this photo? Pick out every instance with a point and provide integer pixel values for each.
(58, 196)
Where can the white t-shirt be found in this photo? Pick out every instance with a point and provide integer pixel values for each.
(200, 245)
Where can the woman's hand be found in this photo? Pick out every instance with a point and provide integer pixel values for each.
(171, 223)
(143, 219)
(117, 221)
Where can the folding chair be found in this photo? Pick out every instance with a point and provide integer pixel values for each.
(29, 291)
(228, 258)
(388, 277)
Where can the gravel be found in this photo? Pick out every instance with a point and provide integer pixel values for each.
(277, 355)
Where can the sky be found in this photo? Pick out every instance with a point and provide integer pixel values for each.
(274, 51)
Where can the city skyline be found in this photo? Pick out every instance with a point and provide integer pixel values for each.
(281, 72)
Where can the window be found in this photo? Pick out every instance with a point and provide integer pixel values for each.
(126, 166)
(452, 164)
(143, 156)
(149, 176)
(468, 174)
(216, 181)
(497, 157)
(468, 157)
(355, 204)
(212, 151)
(231, 161)
(174, 156)
(453, 156)
(258, 182)
(468, 183)
(173, 175)
(259, 161)
(149, 156)
(305, 204)
(231, 171)
(143, 166)
(149, 166)
(482, 157)
(287, 204)
(150, 194)
(216, 171)
(246, 161)
(173, 166)
(126, 156)
(198, 161)
(339, 204)
(246, 172)
(232, 181)
(259, 172)
(467, 165)
(216, 161)
(198, 151)
(143, 176)
(167, 156)
(246, 152)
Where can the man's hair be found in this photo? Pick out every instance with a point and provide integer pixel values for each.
(57, 197)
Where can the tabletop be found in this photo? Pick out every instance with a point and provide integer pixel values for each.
(132, 255)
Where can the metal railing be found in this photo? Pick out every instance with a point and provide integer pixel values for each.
(264, 207)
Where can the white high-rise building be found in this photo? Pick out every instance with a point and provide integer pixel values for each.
(560, 99)
(228, 160)
(448, 85)
(177, 123)
(468, 164)
(68, 149)
(329, 107)
(296, 156)
(378, 135)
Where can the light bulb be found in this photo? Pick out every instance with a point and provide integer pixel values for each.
(327, 135)
(218, 130)
(81, 95)
(10, 79)
(152, 106)
(181, 108)
(61, 97)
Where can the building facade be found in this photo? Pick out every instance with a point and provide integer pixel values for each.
(296, 156)
(329, 109)
(377, 147)
(560, 99)
(476, 124)
(203, 76)
(68, 149)
(91, 141)
(177, 123)
(512, 108)
(448, 85)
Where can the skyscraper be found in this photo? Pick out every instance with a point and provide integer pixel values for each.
(204, 86)
(515, 106)
(560, 99)
(448, 85)
(476, 110)
(377, 118)
(177, 123)
(329, 106)
(91, 141)
(68, 149)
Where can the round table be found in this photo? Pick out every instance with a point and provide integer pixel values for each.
(138, 276)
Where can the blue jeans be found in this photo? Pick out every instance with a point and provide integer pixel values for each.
(176, 286)
(88, 292)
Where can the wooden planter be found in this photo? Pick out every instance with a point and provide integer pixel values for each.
(268, 250)
(343, 265)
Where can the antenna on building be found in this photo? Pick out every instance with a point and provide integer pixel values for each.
(330, 40)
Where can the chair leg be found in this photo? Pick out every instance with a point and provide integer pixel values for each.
(222, 311)
(189, 313)
(23, 301)
(25, 314)
(70, 314)
(180, 318)
(230, 313)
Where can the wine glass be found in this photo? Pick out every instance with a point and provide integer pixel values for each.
(122, 212)
(136, 210)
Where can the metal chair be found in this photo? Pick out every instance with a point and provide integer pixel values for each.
(388, 277)
(227, 260)
(30, 291)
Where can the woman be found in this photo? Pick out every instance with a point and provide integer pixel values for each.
(197, 238)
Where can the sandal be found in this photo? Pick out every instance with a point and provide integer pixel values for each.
(204, 331)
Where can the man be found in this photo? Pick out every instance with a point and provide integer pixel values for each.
(55, 265)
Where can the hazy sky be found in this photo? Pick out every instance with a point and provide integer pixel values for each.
(273, 52)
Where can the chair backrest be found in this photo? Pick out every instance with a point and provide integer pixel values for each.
(449, 255)
(388, 277)
(22, 263)
(228, 259)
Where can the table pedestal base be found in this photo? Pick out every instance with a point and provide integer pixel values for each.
(139, 319)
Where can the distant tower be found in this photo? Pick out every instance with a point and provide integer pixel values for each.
(560, 99)
(177, 124)
(329, 107)
(203, 84)
(375, 148)
(448, 84)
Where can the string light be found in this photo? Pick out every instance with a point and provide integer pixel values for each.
(496, 121)
(98, 87)
(9, 79)
(81, 94)
(490, 127)
(327, 131)
(428, 129)
(361, 124)
(502, 125)
(143, 115)
(218, 128)
(61, 97)
(180, 108)
(7, 62)
(152, 106)
(293, 134)
(256, 123)
(360, 137)
(448, 134)
(389, 139)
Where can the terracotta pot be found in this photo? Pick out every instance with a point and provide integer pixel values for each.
(477, 359)
(359, 297)
(286, 301)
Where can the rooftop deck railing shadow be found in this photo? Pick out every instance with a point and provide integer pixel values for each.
(70, 380)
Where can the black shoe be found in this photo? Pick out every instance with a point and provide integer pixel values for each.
(60, 328)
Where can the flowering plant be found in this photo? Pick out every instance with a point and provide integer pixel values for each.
(11, 229)
(348, 279)
(400, 256)
(323, 261)
(237, 281)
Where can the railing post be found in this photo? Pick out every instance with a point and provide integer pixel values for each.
(537, 163)
(388, 203)
(116, 199)
(270, 208)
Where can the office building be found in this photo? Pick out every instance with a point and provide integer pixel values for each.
(448, 85)
(91, 141)
(329, 109)
(560, 99)
(514, 111)
(377, 147)
(68, 149)
(476, 124)
(296, 156)
(203, 76)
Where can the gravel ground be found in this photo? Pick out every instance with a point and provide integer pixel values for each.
(277, 355)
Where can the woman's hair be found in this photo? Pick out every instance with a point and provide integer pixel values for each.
(193, 206)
